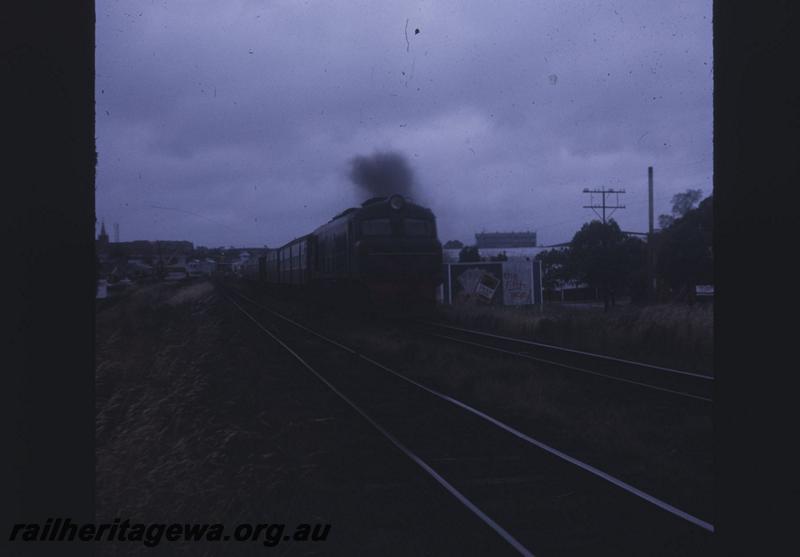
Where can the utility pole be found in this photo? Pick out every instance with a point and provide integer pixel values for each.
(650, 197)
(603, 192)
(603, 206)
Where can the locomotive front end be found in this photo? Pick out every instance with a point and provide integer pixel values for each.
(398, 256)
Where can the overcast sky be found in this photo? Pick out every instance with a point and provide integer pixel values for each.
(234, 123)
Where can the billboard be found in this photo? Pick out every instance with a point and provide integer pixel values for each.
(517, 283)
(509, 283)
(473, 283)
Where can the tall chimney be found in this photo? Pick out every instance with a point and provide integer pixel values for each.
(650, 196)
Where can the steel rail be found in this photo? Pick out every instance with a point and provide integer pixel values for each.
(572, 350)
(572, 368)
(486, 519)
(583, 465)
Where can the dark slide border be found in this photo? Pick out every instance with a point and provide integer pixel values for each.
(47, 99)
(48, 165)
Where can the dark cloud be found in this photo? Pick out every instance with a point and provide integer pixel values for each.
(257, 142)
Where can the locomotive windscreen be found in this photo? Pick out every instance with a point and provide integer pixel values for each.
(418, 227)
(376, 227)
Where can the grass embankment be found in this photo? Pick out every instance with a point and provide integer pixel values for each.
(182, 434)
(673, 335)
(153, 356)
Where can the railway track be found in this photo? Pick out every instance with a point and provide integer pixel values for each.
(536, 498)
(674, 382)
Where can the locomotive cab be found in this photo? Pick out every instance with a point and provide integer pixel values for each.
(396, 251)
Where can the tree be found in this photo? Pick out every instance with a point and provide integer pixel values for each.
(603, 257)
(499, 257)
(633, 266)
(453, 244)
(684, 253)
(665, 221)
(682, 203)
(556, 269)
(469, 254)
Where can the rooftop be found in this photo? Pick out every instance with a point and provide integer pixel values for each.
(505, 239)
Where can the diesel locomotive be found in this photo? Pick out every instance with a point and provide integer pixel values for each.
(385, 252)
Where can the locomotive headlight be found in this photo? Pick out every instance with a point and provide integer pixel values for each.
(397, 202)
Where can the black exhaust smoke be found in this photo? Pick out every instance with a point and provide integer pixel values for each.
(382, 174)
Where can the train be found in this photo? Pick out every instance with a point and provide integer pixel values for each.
(384, 253)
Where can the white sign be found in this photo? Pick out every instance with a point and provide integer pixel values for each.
(704, 289)
(517, 283)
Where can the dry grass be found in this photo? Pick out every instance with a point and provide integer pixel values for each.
(191, 293)
(672, 335)
(177, 439)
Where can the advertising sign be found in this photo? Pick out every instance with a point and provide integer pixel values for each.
(517, 283)
(474, 283)
(510, 283)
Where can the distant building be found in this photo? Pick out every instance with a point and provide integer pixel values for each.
(102, 238)
(237, 265)
(494, 240)
(146, 250)
(513, 254)
(513, 245)
(139, 259)
(527, 253)
(208, 266)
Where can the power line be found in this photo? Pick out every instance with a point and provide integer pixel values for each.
(603, 192)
